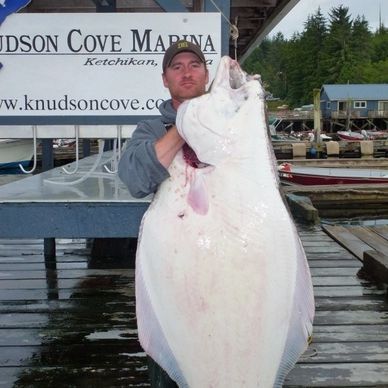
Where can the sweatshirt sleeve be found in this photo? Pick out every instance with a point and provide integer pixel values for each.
(139, 168)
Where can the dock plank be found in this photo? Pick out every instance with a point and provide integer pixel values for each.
(75, 377)
(371, 238)
(340, 303)
(382, 230)
(334, 281)
(334, 272)
(339, 263)
(351, 317)
(341, 352)
(339, 375)
(352, 333)
(347, 239)
(347, 291)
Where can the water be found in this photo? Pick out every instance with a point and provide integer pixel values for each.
(10, 171)
(361, 221)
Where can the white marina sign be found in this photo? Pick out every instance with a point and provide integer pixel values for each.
(94, 64)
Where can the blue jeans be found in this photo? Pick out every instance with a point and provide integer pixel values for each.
(158, 377)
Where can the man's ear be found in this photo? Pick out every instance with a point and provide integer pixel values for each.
(165, 83)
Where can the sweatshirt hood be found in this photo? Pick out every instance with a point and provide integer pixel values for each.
(168, 112)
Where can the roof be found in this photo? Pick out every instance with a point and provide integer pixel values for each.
(254, 18)
(356, 92)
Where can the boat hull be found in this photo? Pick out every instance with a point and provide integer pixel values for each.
(331, 176)
(14, 152)
(350, 136)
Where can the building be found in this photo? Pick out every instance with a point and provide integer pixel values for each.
(355, 105)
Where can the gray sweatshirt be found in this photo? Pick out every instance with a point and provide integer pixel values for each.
(139, 168)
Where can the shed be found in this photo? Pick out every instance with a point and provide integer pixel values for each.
(354, 101)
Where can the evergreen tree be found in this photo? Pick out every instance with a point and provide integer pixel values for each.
(380, 45)
(312, 42)
(267, 60)
(360, 42)
(377, 72)
(277, 74)
(293, 71)
(256, 62)
(337, 49)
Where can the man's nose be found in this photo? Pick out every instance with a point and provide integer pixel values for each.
(187, 71)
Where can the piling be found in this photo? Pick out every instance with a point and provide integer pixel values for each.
(298, 150)
(332, 148)
(366, 147)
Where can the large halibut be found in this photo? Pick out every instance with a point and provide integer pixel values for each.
(223, 290)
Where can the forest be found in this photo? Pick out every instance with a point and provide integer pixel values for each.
(338, 49)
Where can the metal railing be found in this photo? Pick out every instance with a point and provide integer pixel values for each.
(378, 114)
(66, 131)
(77, 132)
(342, 114)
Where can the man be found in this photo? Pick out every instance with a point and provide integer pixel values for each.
(154, 144)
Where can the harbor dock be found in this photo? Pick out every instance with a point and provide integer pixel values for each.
(74, 324)
(69, 320)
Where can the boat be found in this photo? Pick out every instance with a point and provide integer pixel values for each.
(303, 175)
(14, 152)
(285, 138)
(363, 135)
(350, 135)
(375, 134)
(63, 143)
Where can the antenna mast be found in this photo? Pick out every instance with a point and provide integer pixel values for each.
(380, 24)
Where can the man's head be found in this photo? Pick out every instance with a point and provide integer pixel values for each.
(180, 47)
(184, 71)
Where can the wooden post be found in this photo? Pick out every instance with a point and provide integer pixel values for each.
(348, 104)
(48, 164)
(376, 265)
(49, 252)
(317, 115)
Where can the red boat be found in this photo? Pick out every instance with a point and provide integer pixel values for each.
(350, 135)
(331, 175)
(363, 135)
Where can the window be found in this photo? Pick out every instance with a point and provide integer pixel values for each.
(359, 104)
(383, 105)
(342, 105)
(328, 104)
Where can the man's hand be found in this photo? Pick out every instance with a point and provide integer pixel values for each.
(167, 146)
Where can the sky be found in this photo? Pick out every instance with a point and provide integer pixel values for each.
(295, 19)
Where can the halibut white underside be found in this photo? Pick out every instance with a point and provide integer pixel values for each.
(224, 294)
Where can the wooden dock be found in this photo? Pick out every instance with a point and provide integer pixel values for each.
(347, 149)
(345, 201)
(75, 325)
(351, 324)
(357, 239)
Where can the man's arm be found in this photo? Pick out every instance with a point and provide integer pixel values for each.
(167, 147)
(139, 166)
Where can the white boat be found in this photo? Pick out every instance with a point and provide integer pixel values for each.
(14, 152)
(303, 175)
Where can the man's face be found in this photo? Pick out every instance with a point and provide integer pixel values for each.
(186, 77)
